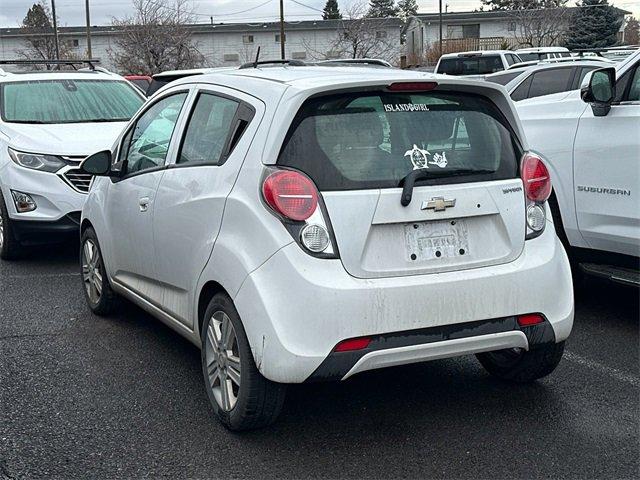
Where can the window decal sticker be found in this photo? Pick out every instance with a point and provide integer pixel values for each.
(419, 159)
(406, 107)
(439, 160)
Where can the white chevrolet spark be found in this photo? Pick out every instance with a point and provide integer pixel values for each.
(310, 223)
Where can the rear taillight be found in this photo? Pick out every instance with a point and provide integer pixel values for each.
(290, 194)
(537, 188)
(535, 177)
(295, 199)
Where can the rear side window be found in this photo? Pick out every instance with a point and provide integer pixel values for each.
(522, 91)
(528, 57)
(546, 82)
(373, 140)
(208, 129)
(503, 78)
(478, 65)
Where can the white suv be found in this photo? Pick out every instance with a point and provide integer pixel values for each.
(49, 122)
(307, 223)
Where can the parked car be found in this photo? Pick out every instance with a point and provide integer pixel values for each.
(140, 81)
(544, 78)
(476, 64)
(542, 53)
(49, 122)
(310, 223)
(591, 139)
(159, 80)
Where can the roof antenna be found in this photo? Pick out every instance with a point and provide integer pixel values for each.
(255, 64)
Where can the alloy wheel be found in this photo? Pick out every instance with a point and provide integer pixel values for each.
(223, 360)
(91, 275)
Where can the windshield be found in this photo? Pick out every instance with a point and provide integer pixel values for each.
(476, 65)
(68, 101)
(374, 140)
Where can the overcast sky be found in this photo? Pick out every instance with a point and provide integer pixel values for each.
(71, 12)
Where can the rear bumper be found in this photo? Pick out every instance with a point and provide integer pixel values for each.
(297, 308)
(432, 343)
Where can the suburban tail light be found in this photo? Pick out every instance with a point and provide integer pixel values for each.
(295, 198)
(530, 319)
(290, 194)
(352, 344)
(412, 86)
(535, 177)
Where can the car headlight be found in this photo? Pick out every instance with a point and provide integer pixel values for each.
(37, 161)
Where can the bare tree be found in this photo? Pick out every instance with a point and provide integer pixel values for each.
(540, 27)
(360, 37)
(37, 27)
(156, 38)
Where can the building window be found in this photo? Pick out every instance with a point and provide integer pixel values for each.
(247, 39)
(299, 55)
(381, 34)
(512, 26)
(463, 31)
(277, 36)
(75, 42)
(231, 57)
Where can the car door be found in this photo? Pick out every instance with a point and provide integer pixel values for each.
(130, 199)
(607, 166)
(191, 197)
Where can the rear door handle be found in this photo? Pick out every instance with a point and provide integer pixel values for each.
(144, 204)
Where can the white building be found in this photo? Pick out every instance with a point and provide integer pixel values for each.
(235, 43)
(488, 30)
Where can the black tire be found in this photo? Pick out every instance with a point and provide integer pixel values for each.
(106, 301)
(258, 401)
(521, 366)
(10, 247)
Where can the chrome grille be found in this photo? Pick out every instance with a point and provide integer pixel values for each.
(78, 180)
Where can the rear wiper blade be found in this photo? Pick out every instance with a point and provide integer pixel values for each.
(408, 182)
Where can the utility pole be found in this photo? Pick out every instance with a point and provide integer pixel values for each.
(55, 28)
(440, 21)
(282, 29)
(86, 8)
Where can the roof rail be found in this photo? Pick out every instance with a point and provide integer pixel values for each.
(291, 63)
(90, 62)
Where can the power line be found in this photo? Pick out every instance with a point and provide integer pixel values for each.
(307, 6)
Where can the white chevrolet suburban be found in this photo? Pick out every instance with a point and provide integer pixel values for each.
(591, 141)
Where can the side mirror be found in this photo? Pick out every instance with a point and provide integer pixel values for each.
(599, 90)
(98, 164)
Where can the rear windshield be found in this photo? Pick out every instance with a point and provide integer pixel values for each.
(480, 65)
(528, 57)
(68, 101)
(373, 140)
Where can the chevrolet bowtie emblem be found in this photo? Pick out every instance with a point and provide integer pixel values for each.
(438, 204)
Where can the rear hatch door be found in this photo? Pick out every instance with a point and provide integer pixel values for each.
(467, 206)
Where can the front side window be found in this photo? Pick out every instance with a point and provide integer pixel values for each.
(634, 88)
(522, 91)
(208, 129)
(68, 101)
(374, 140)
(152, 133)
(546, 82)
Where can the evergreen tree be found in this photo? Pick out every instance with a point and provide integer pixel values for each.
(38, 19)
(382, 8)
(331, 10)
(594, 25)
(407, 8)
(632, 32)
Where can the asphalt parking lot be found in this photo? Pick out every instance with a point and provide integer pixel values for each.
(82, 397)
